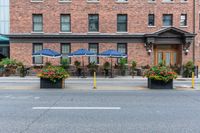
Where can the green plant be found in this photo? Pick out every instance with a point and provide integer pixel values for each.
(122, 65)
(133, 66)
(48, 64)
(188, 68)
(77, 64)
(92, 66)
(160, 72)
(106, 66)
(53, 73)
(22, 69)
(65, 64)
(6, 62)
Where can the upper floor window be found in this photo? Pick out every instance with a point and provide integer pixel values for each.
(36, 0)
(37, 23)
(151, 1)
(183, 21)
(121, 23)
(151, 20)
(65, 0)
(93, 23)
(167, 19)
(184, 0)
(121, 0)
(168, 0)
(65, 24)
(93, 0)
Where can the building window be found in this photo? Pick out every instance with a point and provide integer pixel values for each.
(65, 1)
(151, 1)
(121, 23)
(92, 0)
(168, 0)
(4, 16)
(93, 23)
(65, 50)
(183, 21)
(37, 23)
(122, 1)
(37, 47)
(65, 24)
(94, 47)
(122, 47)
(151, 20)
(167, 19)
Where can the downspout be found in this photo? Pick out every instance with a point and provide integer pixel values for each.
(194, 27)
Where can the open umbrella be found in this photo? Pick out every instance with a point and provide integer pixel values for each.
(82, 53)
(112, 54)
(47, 53)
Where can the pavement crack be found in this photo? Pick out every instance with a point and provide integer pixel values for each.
(40, 116)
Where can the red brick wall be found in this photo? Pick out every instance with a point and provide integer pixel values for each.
(21, 14)
(21, 22)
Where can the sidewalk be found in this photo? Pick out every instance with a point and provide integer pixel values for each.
(89, 78)
(74, 83)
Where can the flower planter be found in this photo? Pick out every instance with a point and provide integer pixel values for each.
(48, 84)
(158, 84)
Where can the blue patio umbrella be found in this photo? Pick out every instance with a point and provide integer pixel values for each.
(112, 54)
(47, 53)
(82, 53)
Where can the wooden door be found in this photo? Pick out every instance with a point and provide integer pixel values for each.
(168, 54)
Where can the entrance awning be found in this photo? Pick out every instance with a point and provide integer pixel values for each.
(169, 35)
(4, 40)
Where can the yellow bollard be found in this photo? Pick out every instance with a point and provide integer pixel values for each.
(95, 81)
(192, 79)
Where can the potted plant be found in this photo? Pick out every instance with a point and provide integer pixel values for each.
(78, 67)
(160, 77)
(52, 77)
(106, 67)
(65, 64)
(22, 70)
(188, 68)
(133, 66)
(92, 68)
(122, 66)
(10, 66)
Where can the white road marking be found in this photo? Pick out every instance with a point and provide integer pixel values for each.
(77, 108)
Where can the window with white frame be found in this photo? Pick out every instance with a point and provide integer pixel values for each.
(183, 20)
(36, 0)
(94, 47)
(65, 1)
(65, 24)
(92, 0)
(37, 47)
(65, 50)
(121, 0)
(37, 23)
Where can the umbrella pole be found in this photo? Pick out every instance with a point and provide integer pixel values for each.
(83, 67)
(111, 73)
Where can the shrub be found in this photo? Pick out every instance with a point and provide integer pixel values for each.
(162, 73)
(188, 68)
(65, 64)
(53, 73)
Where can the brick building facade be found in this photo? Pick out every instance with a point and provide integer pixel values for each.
(148, 31)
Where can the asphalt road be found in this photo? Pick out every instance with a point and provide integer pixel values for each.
(67, 111)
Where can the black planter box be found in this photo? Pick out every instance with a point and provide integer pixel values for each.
(158, 84)
(48, 84)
